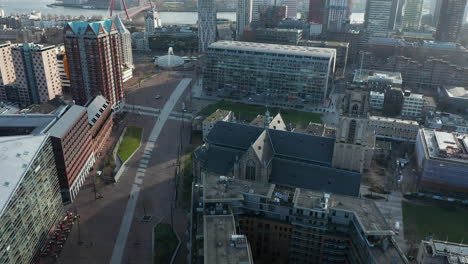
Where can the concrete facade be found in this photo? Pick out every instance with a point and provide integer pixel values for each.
(394, 128)
(37, 76)
(7, 70)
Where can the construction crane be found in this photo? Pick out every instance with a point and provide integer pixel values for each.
(130, 15)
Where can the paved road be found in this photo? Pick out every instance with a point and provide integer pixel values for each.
(94, 239)
(135, 192)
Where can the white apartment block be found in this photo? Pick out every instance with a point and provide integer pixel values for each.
(376, 100)
(37, 74)
(413, 105)
(394, 128)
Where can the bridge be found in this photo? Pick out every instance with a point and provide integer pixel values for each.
(130, 12)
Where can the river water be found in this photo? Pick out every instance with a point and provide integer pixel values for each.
(27, 6)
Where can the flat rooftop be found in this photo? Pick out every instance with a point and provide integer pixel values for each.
(16, 155)
(393, 120)
(217, 115)
(217, 190)
(274, 49)
(377, 76)
(435, 141)
(34, 123)
(366, 211)
(66, 121)
(218, 246)
(457, 92)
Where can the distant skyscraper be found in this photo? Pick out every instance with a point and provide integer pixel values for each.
(206, 24)
(255, 5)
(271, 16)
(316, 11)
(291, 11)
(7, 70)
(126, 40)
(450, 20)
(336, 15)
(37, 75)
(412, 15)
(94, 60)
(152, 21)
(244, 16)
(380, 17)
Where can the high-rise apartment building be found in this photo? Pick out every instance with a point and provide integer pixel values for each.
(244, 16)
(30, 202)
(412, 15)
(255, 10)
(281, 73)
(336, 15)
(94, 60)
(62, 66)
(7, 70)
(380, 17)
(291, 11)
(206, 24)
(152, 21)
(37, 75)
(450, 20)
(126, 41)
(316, 11)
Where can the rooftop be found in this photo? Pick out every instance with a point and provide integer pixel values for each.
(219, 245)
(457, 92)
(80, 27)
(445, 146)
(217, 189)
(324, 43)
(366, 211)
(95, 108)
(393, 120)
(274, 49)
(377, 76)
(28, 123)
(217, 115)
(32, 46)
(16, 154)
(446, 252)
(8, 108)
(446, 119)
(66, 121)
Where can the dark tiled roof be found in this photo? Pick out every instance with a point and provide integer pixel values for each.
(314, 177)
(234, 135)
(303, 146)
(217, 159)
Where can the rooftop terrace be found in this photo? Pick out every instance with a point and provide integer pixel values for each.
(219, 246)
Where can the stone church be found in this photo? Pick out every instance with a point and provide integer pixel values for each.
(266, 154)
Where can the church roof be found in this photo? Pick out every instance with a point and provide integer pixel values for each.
(263, 147)
(314, 177)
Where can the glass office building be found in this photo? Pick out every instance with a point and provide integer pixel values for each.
(30, 201)
(278, 73)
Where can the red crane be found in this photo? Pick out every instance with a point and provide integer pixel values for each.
(129, 15)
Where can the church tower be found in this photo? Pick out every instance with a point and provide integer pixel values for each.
(355, 142)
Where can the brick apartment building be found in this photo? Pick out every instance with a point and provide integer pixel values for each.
(100, 122)
(95, 60)
(73, 150)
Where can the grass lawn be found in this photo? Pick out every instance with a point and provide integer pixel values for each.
(165, 243)
(249, 112)
(130, 142)
(443, 220)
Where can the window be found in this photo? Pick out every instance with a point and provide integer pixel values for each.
(352, 131)
(250, 170)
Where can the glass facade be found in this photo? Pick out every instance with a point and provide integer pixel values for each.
(271, 72)
(32, 210)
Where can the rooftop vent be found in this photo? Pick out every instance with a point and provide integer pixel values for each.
(6, 184)
(238, 241)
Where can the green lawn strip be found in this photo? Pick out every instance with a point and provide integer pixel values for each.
(249, 112)
(165, 243)
(130, 142)
(443, 220)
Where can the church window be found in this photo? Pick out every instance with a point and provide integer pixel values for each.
(351, 131)
(250, 170)
(355, 109)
